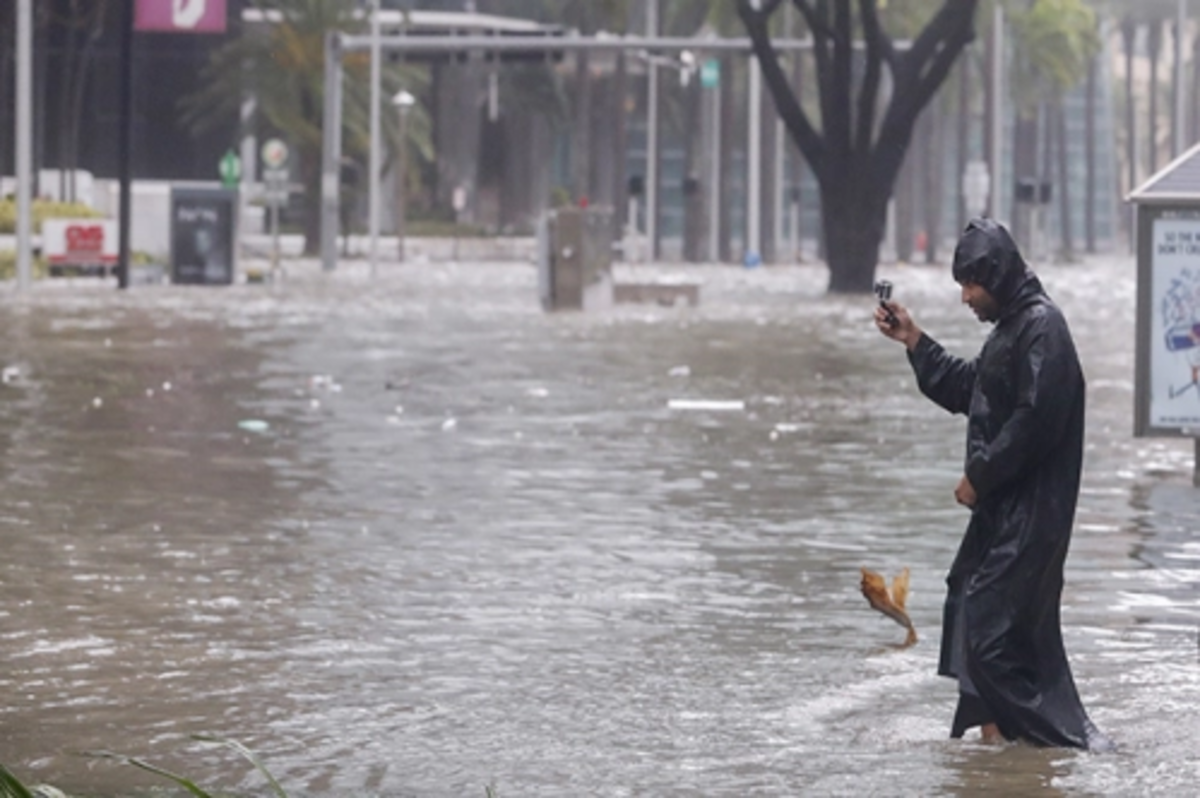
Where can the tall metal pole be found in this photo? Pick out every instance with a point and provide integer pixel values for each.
(125, 146)
(714, 210)
(331, 150)
(375, 157)
(402, 185)
(780, 160)
(995, 164)
(24, 153)
(1178, 113)
(652, 140)
(754, 165)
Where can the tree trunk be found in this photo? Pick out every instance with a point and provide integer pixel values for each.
(728, 117)
(1064, 182)
(799, 165)
(963, 142)
(310, 171)
(853, 230)
(620, 118)
(66, 77)
(1153, 46)
(1025, 167)
(1129, 39)
(766, 194)
(1089, 143)
(935, 122)
(905, 216)
(581, 140)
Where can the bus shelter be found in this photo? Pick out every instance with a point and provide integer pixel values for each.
(1167, 357)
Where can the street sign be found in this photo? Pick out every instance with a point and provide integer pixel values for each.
(274, 153)
(180, 16)
(276, 189)
(710, 73)
(230, 169)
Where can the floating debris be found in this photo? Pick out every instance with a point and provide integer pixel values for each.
(680, 371)
(253, 425)
(706, 404)
(874, 588)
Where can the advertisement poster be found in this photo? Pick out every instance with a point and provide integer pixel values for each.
(180, 16)
(1175, 324)
(202, 236)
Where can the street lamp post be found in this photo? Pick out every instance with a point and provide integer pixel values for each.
(24, 170)
(373, 178)
(403, 102)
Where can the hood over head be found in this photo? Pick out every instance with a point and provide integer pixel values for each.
(986, 255)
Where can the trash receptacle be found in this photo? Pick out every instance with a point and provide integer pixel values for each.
(203, 228)
(575, 259)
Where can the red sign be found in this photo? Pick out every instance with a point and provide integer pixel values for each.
(79, 241)
(180, 16)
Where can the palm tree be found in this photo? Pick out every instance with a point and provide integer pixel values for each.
(282, 67)
(1055, 41)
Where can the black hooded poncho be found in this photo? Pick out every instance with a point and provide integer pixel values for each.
(1024, 400)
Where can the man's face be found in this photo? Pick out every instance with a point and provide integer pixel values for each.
(980, 301)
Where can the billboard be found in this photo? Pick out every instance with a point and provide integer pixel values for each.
(202, 235)
(180, 16)
(1168, 362)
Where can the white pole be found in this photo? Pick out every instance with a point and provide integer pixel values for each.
(24, 142)
(652, 139)
(714, 211)
(994, 156)
(754, 164)
(373, 179)
(780, 209)
(1177, 134)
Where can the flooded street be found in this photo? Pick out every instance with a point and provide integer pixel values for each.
(416, 537)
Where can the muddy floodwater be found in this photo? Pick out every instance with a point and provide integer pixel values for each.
(415, 537)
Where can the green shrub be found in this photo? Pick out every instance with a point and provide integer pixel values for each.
(8, 265)
(432, 228)
(42, 209)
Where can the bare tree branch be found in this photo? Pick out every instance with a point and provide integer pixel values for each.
(878, 48)
(876, 39)
(838, 125)
(817, 25)
(790, 111)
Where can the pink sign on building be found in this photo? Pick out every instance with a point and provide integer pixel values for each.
(180, 16)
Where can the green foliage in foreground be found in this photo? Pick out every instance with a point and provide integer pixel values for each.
(11, 786)
(42, 209)
(8, 271)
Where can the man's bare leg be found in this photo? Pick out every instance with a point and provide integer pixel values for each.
(990, 733)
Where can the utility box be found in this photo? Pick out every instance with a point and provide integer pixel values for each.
(575, 259)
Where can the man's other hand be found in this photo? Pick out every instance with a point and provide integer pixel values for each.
(964, 494)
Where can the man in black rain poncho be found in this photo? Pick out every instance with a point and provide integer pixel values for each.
(1024, 400)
